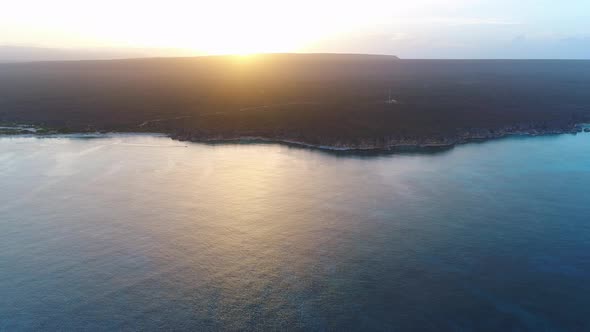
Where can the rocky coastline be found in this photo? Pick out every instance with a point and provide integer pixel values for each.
(391, 143)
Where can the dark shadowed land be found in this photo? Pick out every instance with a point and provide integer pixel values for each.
(15, 53)
(335, 101)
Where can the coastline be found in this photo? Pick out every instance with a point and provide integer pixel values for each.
(365, 146)
(392, 145)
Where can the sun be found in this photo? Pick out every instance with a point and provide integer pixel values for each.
(203, 27)
(242, 28)
(251, 40)
(251, 34)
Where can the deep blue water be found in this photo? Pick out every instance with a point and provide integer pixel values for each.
(143, 233)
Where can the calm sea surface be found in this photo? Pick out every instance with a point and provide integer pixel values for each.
(143, 233)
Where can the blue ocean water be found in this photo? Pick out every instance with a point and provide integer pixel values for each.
(137, 232)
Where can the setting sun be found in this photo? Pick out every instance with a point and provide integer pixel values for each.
(220, 27)
(213, 28)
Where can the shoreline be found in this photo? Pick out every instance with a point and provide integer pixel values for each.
(391, 146)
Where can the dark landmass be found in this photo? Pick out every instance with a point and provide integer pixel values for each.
(325, 100)
(15, 53)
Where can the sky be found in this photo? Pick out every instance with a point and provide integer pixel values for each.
(409, 29)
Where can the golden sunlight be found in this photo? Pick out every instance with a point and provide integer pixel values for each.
(216, 27)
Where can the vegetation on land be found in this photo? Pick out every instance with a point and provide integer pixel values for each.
(317, 99)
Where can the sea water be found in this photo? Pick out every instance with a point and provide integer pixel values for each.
(138, 232)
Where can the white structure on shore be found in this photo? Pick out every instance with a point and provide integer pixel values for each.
(390, 100)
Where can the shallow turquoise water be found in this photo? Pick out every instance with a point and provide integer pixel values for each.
(143, 233)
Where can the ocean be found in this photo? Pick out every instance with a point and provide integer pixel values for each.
(141, 232)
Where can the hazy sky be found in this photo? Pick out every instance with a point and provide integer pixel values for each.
(410, 29)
